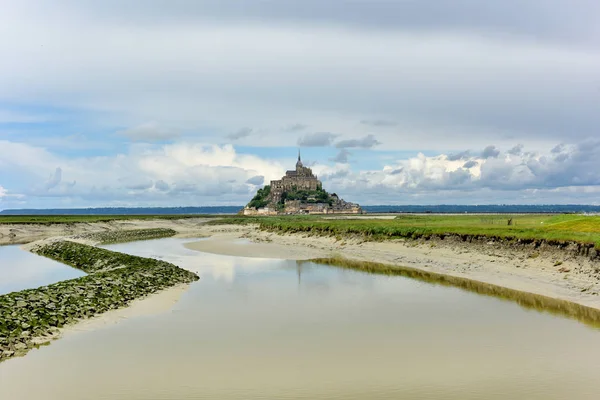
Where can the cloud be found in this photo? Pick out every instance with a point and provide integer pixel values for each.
(210, 174)
(492, 68)
(240, 134)
(379, 123)
(341, 157)
(141, 185)
(516, 150)
(161, 185)
(257, 180)
(490, 152)
(3, 192)
(365, 143)
(196, 174)
(470, 164)
(149, 131)
(318, 139)
(295, 128)
(459, 156)
(54, 179)
(463, 76)
(555, 22)
(558, 149)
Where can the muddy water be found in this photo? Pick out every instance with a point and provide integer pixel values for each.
(270, 329)
(20, 269)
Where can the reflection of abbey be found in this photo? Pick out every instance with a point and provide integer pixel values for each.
(299, 191)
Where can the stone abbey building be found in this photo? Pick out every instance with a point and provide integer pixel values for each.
(314, 199)
(301, 178)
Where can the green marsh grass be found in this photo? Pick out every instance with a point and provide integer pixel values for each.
(554, 229)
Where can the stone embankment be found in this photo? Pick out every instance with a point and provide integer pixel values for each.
(32, 317)
(122, 236)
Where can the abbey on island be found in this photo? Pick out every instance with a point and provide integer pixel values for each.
(299, 191)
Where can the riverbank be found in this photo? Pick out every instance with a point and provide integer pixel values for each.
(545, 271)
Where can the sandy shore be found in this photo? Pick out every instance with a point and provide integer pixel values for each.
(27, 233)
(155, 304)
(550, 274)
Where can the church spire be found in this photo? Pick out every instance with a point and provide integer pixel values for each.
(299, 163)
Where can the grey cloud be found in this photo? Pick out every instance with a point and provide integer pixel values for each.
(557, 20)
(459, 156)
(54, 179)
(148, 132)
(561, 157)
(295, 128)
(365, 143)
(379, 123)
(396, 171)
(558, 148)
(256, 180)
(161, 185)
(242, 133)
(470, 164)
(183, 188)
(517, 150)
(141, 185)
(334, 175)
(341, 157)
(318, 139)
(490, 152)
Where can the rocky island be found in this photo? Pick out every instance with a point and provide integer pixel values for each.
(299, 191)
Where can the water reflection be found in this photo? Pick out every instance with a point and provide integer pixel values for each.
(272, 329)
(20, 269)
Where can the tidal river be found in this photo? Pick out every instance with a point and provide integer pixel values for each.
(274, 329)
(20, 269)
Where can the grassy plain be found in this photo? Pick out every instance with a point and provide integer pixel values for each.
(552, 228)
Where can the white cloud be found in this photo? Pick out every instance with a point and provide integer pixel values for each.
(182, 173)
(552, 175)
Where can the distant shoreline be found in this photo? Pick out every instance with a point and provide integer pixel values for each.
(370, 209)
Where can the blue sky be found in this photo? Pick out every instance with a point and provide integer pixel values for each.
(161, 103)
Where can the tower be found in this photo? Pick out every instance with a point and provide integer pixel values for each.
(299, 163)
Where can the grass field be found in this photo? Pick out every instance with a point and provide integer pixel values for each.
(553, 228)
(66, 219)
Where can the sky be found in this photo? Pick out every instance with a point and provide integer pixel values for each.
(196, 103)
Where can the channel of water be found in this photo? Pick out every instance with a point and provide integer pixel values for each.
(276, 329)
(20, 269)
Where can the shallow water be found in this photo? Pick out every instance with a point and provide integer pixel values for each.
(270, 329)
(20, 269)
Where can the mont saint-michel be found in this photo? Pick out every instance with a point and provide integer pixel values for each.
(299, 191)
